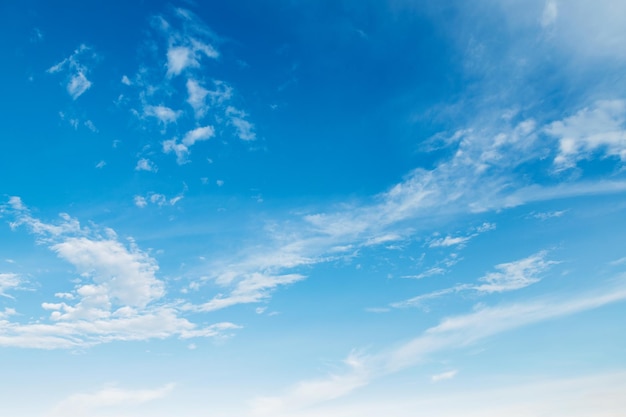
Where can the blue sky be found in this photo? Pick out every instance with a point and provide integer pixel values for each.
(304, 208)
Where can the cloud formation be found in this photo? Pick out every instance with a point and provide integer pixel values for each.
(117, 297)
(77, 82)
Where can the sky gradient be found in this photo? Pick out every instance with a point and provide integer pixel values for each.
(304, 208)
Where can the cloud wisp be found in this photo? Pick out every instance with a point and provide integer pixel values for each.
(452, 333)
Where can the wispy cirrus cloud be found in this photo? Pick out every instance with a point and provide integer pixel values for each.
(481, 176)
(452, 333)
(508, 276)
(111, 397)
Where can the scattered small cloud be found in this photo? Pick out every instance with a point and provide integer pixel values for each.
(599, 128)
(444, 376)
(77, 82)
(244, 129)
(508, 276)
(140, 201)
(164, 114)
(145, 164)
(549, 14)
(101, 164)
(547, 214)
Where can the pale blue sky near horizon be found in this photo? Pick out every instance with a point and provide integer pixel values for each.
(303, 208)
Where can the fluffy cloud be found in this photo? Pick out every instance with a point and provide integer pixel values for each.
(146, 165)
(118, 295)
(599, 128)
(198, 134)
(127, 274)
(163, 113)
(181, 150)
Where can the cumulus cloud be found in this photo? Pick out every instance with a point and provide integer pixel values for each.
(117, 297)
(126, 274)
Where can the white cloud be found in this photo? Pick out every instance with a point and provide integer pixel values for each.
(8, 312)
(77, 82)
(146, 165)
(444, 376)
(456, 332)
(180, 150)
(101, 164)
(125, 80)
(77, 85)
(251, 288)
(550, 13)
(163, 113)
(311, 392)
(140, 201)
(572, 396)
(449, 241)
(599, 128)
(8, 282)
(181, 57)
(515, 275)
(245, 129)
(548, 214)
(87, 403)
(157, 199)
(197, 98)
(118, 295)
(126, 274)
(510, 276)
(198, 134)
(186, 47)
